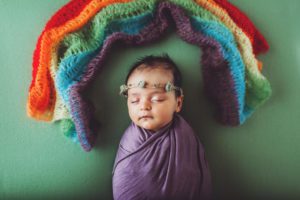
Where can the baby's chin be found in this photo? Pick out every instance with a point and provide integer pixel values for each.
(148, 125)
(152, 127)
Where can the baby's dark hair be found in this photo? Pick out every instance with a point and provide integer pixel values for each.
(152, 62)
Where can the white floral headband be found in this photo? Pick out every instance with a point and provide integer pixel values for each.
(142, 84)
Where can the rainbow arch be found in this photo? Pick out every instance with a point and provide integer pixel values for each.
(77, 39)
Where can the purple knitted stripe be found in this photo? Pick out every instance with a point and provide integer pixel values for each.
(218, 82)
(219, 88)
(85, 123)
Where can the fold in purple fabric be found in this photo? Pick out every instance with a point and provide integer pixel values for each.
(167, 164)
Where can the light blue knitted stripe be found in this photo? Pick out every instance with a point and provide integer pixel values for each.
(231, 54)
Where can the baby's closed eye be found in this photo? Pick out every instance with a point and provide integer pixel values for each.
(153, 99)
(134, 100)
(157, 99)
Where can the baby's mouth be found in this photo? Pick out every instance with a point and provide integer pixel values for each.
(145, 117)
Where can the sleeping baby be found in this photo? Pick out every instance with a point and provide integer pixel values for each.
(159, 155)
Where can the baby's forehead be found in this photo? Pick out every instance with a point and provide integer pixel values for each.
(151, 75)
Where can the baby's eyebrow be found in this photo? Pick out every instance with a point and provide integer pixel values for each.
(151, 93)
(158, 92)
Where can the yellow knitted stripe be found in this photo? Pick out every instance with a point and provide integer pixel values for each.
(244, 43)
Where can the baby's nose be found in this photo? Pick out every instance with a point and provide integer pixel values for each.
(145, 105)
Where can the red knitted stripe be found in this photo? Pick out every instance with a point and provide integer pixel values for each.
(64, 14)
(260, 45)
(67, 12)
(35, 60)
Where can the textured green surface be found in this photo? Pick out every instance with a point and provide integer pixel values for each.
(258, 160)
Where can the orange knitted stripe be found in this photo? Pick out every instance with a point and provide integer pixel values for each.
(41, 99)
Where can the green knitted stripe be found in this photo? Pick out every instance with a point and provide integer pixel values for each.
(258, 89)
(91, 36)
(192, 8)
(67, 126)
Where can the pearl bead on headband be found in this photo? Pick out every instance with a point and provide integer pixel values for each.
(142, 84)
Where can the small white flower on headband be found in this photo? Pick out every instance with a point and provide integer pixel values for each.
(142, 84)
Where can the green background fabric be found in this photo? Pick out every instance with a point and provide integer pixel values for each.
(258, 160)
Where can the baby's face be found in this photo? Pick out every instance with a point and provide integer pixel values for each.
(152, 108)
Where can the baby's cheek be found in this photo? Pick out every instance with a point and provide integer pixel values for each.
(131, 113)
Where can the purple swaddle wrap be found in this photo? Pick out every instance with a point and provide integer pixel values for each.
(167, 164)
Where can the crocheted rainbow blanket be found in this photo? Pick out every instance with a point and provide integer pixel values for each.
(77, 39)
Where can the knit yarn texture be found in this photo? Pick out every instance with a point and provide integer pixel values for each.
(77, 40)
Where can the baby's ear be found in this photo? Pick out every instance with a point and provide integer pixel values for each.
(179, 103)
